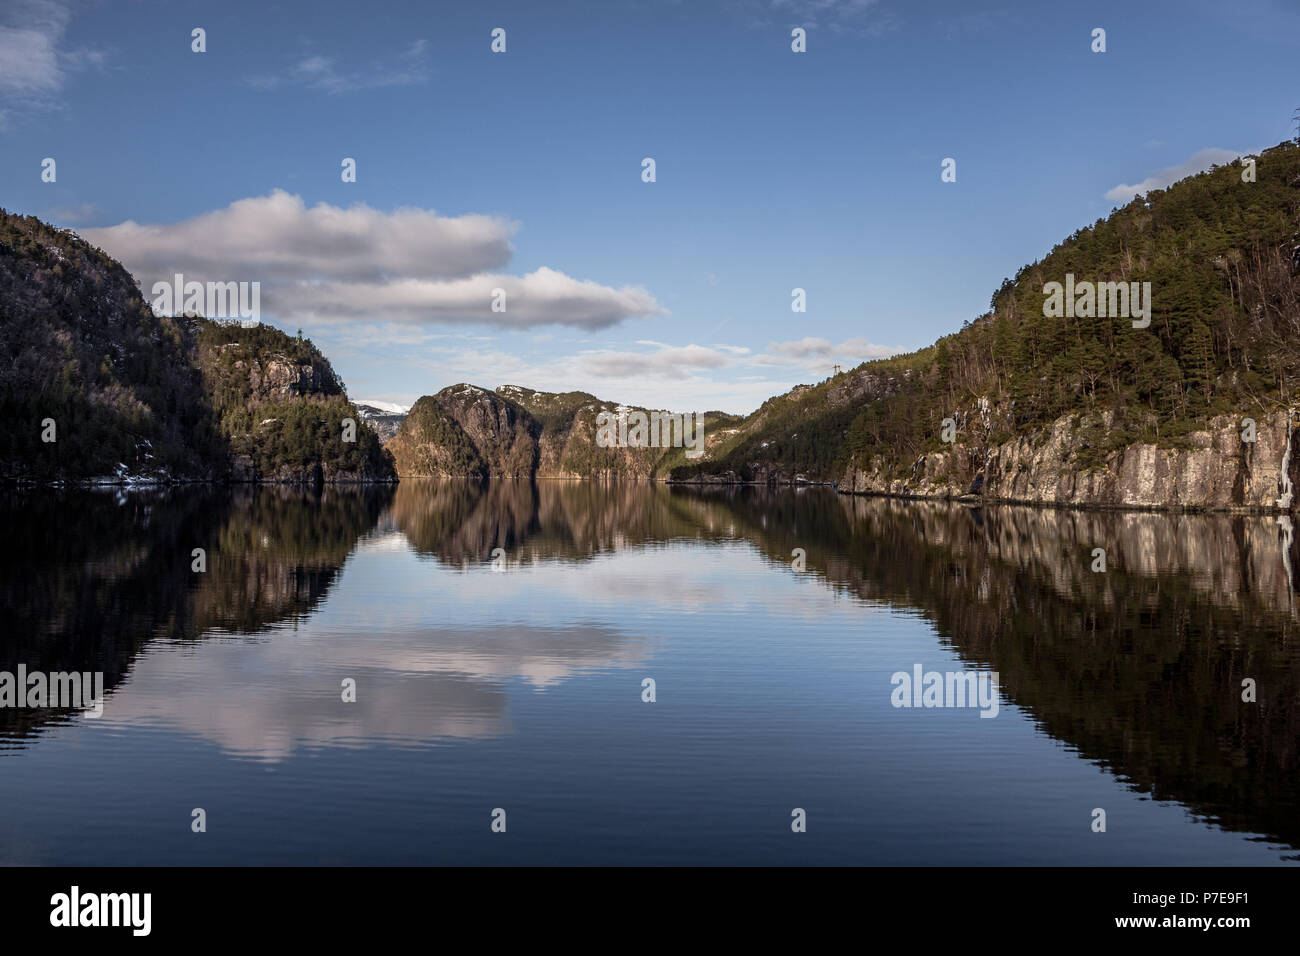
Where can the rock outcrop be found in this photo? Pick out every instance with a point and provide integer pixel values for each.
(517, 432)
(281, 411)
(1212, 469)
(466, 431)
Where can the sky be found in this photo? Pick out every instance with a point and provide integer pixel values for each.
(522, 171)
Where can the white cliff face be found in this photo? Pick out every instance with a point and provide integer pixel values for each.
(1218, 471)
(1284, 480)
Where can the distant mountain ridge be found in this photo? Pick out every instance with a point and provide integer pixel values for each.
(1198, 408)
(516, 432)
(376, 406)
(384, 417)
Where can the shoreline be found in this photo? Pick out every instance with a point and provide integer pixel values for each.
(970, 501)
(978, 501)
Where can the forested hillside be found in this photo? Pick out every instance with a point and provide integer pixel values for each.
(95, 386)
(1223, 259)
(281, 408)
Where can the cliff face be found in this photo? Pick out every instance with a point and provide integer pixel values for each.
(572, 452)
(272, 377)
(516, 432)
(281, 410)
(1213, 469)
(466, 431)
(567, 445)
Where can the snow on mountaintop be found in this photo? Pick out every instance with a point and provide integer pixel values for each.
(391, 407)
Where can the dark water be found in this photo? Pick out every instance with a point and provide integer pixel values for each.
(521, 688)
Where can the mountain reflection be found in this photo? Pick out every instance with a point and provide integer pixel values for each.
(88, 580)
(1139, 668)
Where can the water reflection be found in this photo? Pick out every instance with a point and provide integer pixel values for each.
(88, 579)
(1140, 669)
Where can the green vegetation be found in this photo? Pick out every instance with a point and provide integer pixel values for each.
(129, 391)
(79, 346)
(469, 431)
(430, 442)
(280, 405)
(1223, 259)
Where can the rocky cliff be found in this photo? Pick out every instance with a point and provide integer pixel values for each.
(283, 415)
(517, 432)
(466, 431)
(1213, 468)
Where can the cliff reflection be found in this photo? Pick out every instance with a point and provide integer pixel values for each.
(86, 581)
(1139, 669)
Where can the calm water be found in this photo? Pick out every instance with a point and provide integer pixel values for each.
(521, 688)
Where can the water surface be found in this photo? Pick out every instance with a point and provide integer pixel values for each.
(515, 681)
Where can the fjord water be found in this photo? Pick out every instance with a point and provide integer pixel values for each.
(516, 682)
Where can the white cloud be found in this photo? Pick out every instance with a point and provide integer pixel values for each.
(329, 264)
(801, 348)
(816, 354)
(1161, 178)
(542, 297)
(34, 64)
(665, 363)
(278, 237)
(30, 33)
(318, 72)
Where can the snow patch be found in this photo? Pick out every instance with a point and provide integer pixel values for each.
(391, 407)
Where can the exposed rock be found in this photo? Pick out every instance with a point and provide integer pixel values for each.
(515, 432)
(384, 421)
(1217, 471)
(466, 431)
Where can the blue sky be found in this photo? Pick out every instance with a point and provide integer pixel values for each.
(522, 170)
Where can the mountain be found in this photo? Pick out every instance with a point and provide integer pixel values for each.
(96, 387)
(1172, 381)
(384, 417)
(282, 411)
(1078, 409)
(466, 431)
(519, 432)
